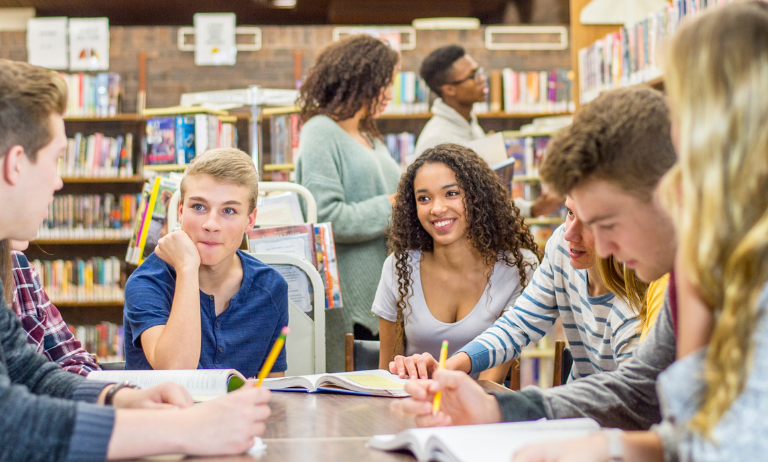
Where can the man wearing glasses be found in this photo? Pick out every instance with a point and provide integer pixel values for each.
(459, 83)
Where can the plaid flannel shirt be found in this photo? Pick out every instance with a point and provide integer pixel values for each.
(45, 328)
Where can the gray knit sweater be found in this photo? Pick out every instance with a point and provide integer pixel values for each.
(350, 184)
(625, 398)
(40, 418)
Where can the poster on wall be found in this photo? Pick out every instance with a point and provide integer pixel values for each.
(215, 39)
(47, 42)
(88, 44)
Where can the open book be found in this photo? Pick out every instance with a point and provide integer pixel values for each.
(202, 384)
(486, 443)
(373, 383)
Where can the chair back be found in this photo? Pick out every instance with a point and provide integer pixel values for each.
(360, 355)
(562, 364)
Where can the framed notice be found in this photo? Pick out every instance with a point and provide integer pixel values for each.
(88, 44)
(47, 42)
(215, 39)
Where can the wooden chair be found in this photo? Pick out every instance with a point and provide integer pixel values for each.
(563, 364)
(360, 355)
(514, 375)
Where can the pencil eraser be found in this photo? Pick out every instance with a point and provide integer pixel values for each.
(285, 330)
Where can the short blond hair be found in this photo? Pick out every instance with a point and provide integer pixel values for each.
(226, 165)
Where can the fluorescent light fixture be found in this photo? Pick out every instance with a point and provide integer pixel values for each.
(284, 3)
(446, 24)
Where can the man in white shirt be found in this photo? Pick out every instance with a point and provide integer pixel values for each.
(459, 83)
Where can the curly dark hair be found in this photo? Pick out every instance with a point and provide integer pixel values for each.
(348, 75)
(494, 224)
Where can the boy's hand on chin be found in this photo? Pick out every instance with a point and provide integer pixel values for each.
(178, 250)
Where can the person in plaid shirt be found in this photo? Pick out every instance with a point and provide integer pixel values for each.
(45, 328)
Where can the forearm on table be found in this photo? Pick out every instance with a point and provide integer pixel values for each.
(179, 344)
(642, 447)
(156, 429)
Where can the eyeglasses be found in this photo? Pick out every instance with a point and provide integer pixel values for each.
(476, 75)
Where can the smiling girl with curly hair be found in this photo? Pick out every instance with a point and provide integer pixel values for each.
(461, 255)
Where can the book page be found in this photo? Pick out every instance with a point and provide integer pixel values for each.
(489, 443)
(199, 382)
(375, 381)
(491, 148)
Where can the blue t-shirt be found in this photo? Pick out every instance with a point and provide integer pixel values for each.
(239, 338)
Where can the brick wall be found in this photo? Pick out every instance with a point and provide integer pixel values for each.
(171, 72)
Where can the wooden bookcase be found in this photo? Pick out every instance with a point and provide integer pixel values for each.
(93, 312)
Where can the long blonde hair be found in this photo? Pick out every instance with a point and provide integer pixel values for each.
(623, 282)
(717, 76)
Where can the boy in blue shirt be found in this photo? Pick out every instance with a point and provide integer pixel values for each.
(198, 301)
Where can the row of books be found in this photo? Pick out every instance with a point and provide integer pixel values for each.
(89, 216)
(105, 340)
(98, 156)
(285, 131)
(528, 152)
(410, 94)
(95, 279)
(178, 139)
(630, 56)
(530, 92)
(97, 95)
(151, 218)
(313, 242)
(402, 147)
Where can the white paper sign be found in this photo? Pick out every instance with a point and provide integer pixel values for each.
(47, 42)
(88, 44)
(215, 39)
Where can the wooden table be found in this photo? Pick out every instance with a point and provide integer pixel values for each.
(330, 427)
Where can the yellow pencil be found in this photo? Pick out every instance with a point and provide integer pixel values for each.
(267, 367)
(443, 357)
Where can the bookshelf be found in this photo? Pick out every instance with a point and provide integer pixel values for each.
(60, 240)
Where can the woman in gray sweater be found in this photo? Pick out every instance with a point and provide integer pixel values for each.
(349, 171)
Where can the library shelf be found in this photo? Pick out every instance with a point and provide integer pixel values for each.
(278, 167)
(538, 353)
(544, 221)
(102, 179)
(526, 179)
(165, 167)
(88, 304)
(481, 115)
(116, 118)
(83, 241)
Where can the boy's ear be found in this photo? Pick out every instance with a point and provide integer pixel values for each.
(11, 168)
(181, 208)
(251, 220)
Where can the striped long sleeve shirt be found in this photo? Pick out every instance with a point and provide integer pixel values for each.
(601, 331)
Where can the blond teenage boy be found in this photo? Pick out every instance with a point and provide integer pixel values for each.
(198, 301)
(45, 412)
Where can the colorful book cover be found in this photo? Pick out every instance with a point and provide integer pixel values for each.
(156, 216)
(161, 140)
(185, 139)
(296, 240)
(330, 266)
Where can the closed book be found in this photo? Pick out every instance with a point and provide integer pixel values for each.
(496, 91)
(161, 140)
